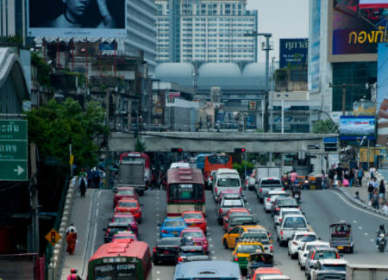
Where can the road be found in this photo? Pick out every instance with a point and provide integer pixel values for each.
(321, 207)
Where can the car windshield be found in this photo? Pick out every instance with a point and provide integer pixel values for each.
(294, 222)
(306, 238)
(287, 202)
(232, 203)
(238, 213)
(228, 182)
(169, 241)
(124, 219)
(325, 255)
(193, 216)
(254, 229)
(174, 223)
(336, 267)
(218, 159)
(290, 213)
(128, 204)
(194, 234)
(271, 182)
(248, 249)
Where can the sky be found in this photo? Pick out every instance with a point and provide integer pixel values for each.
(282, 18)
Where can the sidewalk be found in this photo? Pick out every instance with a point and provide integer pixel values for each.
(81, 218)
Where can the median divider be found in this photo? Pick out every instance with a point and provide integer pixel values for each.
(56, 261)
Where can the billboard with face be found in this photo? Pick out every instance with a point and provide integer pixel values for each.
(76, 18)
(382, 94)
(356, 27)
(293, 52)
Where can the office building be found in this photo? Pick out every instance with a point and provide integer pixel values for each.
(205, 31)
(13, 18)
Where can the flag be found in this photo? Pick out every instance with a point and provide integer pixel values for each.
(372, 4)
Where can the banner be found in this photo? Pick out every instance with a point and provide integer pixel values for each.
(356, 127)
(382, 95)
(368, 4)
(76, 18)
(293, 52)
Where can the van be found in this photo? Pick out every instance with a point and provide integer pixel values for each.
(226, 180)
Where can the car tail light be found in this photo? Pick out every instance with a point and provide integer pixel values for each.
(154, 250)
(216, 190)
(261, 190)
(280, 220)
(221, 211)
(271, 248)
(164, 231)
(268, 199)
(337, 255)
(180, 259)
(277, 209)
(312, 256)
(236, 259)
(281, 233)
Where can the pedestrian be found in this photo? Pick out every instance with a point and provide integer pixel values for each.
(357, 196)
(382, 190)
(385, 208)
(360, 175)
(71, 240)
(82, 188)
(372, 171)
(331, 177)
(73, 275)
(71, 227)
(351, 177)
(370, 191)
(375, 199)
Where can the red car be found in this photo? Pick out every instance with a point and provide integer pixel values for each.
(123, 236)
(194, 236)
(124, 192)
(195, 219)
(233, 212)
(128, 218)
(130, 206)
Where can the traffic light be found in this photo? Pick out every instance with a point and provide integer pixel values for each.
(176, 150)
(240, 150)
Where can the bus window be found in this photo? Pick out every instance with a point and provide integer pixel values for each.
(115, 271)
(185, 192)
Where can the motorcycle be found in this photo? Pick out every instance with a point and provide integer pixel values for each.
(296, 193)
(381, 242)
(306, 184)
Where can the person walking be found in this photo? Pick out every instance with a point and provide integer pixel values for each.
(382, 190)
(360, 175)
(370, 191)
(375, 199)
(71, 240)
(331, 177)
(73, 275)
(82, 188)
(351, 177)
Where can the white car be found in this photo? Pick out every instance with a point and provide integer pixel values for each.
(270, 197)
(298, 240)
(180, 164)
(304, 251)
(285, 211)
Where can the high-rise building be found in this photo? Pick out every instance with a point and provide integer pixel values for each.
(141, 31)
(13, 18)
(205, 31)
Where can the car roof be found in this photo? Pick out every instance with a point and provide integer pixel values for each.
(317, 242)
(274, 192)
(294, 216)
(253, 226)
(275, 276)
(226, 170)
(268, 270)
(240, 209)
(333, 261)
(207, 269)
(192, 229)
(125, 189)
(128, 200)
(305, 233)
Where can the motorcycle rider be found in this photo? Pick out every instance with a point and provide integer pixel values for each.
(381, 230)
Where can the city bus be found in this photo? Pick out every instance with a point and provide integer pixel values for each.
(216, 161)
(135, 156)
(185, 191)
(119, 261)
(214, 270)
(200, 161)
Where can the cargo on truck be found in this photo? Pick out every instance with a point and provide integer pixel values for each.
(134, 171)
(266, 171)
(366, 272)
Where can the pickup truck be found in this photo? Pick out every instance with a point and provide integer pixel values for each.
(290, 225)
(366, 272)
(329, 269)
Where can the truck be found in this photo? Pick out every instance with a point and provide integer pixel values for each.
(366, 272)
(132, 173)
(266, 171)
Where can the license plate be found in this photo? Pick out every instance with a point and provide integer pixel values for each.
(340, 247)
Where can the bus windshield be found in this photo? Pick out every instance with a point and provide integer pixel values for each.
(115, 271)
(215, 159)
(185, 192)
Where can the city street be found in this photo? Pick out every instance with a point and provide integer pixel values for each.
(322, 207)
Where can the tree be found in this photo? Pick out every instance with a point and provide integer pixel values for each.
(325, 126)
(56, 125)
(139, 146)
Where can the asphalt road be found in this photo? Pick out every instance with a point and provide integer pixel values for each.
(321, 208)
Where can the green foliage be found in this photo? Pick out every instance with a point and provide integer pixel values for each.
(54, 126)
(139, 146)
(325, 126)
(43, 69)
(281, 75)
(240, 167)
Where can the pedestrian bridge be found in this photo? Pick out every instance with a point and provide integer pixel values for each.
(220, 141)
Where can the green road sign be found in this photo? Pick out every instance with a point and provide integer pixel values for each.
(13, 150)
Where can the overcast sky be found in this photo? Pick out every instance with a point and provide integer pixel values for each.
(282, 18)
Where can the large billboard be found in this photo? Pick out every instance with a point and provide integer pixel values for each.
(356, 28)
(293, 52)
(356, 127)
(76, 18)
(314, 77)
(370, 4)
(382, 94)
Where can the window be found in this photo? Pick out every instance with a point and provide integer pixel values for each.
(228, 182)
(185, 192)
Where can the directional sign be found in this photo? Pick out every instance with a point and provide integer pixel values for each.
(13, 150)
(53, 237)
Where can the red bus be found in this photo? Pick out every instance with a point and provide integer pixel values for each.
(215, 162)
(131, 156)
(119, 261)
(185, 191)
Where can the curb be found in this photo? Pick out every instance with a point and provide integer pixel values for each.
(358, 203)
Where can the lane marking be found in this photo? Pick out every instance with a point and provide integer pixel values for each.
(360, 227)
(371, 240)
(366, 234)
(158, 272)
(355, 221)
(211, 246)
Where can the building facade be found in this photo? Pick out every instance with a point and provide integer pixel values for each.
(205, 31)
(141, 31)
(13, 18)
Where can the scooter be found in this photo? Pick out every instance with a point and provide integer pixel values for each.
(381, 242)
(296, 193)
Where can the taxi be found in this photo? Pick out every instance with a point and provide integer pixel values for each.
(195, 219)
(243, 251)
(229, 238)
(130, 206)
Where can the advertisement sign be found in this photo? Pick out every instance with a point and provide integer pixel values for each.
(314, 77)
(368, 4)
(293, 52)
(355, 127)
(382, 95)
(76, 18)
(357, 30)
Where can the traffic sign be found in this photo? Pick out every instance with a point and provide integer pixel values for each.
(13, 150)
(53, 237)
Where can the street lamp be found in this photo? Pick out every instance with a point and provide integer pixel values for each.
(282, 97)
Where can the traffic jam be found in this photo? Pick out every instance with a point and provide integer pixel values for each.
(183, 233)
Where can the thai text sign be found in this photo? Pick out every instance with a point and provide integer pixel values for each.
(293, 52)
(354, 128)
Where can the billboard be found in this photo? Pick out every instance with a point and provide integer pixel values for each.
(314, 79)
(356, 127)
(382, 94)
(368, 4)
(293, 52)
(76, 18)
(356, 29)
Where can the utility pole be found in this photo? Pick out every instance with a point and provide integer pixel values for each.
(344, 93)
(266, 48)
(34, 202)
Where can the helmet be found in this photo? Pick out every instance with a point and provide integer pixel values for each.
(73, 270)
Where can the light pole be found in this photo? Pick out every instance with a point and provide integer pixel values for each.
(267, 48)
